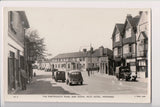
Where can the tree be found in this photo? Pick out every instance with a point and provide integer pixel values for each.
(34, 45)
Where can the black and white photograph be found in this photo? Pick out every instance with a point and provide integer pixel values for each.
(77, 54)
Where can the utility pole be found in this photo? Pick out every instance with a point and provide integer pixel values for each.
(91, 52)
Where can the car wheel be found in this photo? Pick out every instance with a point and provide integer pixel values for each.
(134, 79)
(70, 83)
(127, 79)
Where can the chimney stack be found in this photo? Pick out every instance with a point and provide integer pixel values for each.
(129, 16)
(140, 13)
(101, 50)
(84, 50)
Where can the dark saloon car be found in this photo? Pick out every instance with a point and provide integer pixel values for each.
(123, 72)
(59, 75)
(74, 77)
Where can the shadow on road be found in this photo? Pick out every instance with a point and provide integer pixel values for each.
(41, 85)
(78, 84)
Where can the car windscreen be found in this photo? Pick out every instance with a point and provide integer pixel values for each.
(76, 75)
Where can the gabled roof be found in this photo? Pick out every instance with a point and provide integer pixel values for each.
(133, 21)
(119, 27)
(107, 52)
(144, 35)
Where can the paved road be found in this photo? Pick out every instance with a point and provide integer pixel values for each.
(42, 84)
(95, 84)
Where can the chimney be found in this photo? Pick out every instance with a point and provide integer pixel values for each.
(140, 13)
(101, 50)
(84, 50)
(129, 16)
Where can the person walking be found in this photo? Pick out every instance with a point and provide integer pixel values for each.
(23, 79)
(88, 71)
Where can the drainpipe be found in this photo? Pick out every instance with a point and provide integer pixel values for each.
(136, 54)
(122, 49)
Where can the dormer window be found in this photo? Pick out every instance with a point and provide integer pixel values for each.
(128, 33)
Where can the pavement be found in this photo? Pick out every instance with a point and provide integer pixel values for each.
(96, 84)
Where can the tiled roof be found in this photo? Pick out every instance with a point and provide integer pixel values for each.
(107, 52)
(144, 35)
(134, 21)
(120, 27)
(71, 55)
(96, 53)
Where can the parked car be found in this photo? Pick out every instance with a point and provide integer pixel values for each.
(74, 77)
(133, 76)
(123, 72)
(59, 75)
(53, 70)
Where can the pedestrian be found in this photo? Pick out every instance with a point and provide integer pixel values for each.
(98, 69)
(88, 71)
(34, 74)
(23, 79)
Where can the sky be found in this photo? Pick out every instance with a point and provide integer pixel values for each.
(72, 29)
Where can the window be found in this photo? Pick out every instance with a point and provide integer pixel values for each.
(117, 37)
(115, 51)
(119, 51)
(80, 59)
(128, 33)
(125, 49)
(68, 65)
(142, 65)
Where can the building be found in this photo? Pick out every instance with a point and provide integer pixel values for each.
(142, 45)
(130, 43)
(17, 23)
(99, 59)
(117, 43)
(70, 61)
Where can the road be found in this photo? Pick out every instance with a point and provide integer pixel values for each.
(96, 84)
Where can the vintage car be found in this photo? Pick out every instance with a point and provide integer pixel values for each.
(74, 77)
(59, 75)
(123, 72)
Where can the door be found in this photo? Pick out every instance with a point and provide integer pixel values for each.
(11, 71)
(106, 69)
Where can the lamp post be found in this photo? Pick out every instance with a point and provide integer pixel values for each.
(91, 52)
